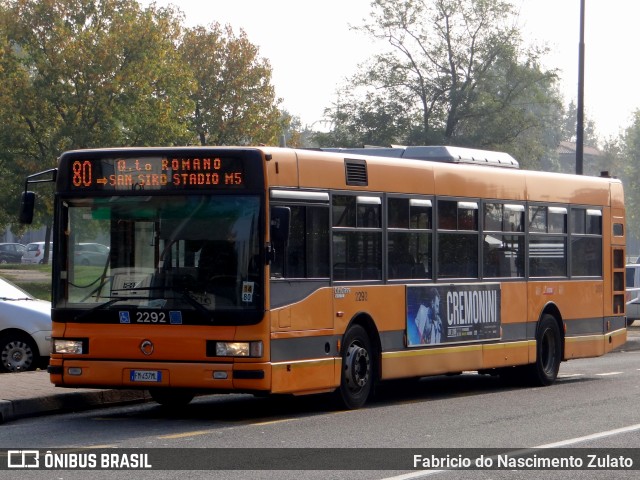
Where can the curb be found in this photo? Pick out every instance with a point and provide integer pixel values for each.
(68, 401)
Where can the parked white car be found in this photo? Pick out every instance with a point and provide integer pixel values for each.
(633, 292)
(35, 253)
(25, 330)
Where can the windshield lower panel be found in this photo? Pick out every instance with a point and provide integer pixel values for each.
(161, 259)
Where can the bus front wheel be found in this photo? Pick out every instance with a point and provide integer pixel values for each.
(357, 368)
(548, 352)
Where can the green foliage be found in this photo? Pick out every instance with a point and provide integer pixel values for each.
(456, 73)
(109, 73)
(628, 152)
(235, 103)
(569, 127)
(92, 73)
(85, 73)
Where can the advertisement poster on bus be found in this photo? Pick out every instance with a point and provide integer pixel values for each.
(441, 314)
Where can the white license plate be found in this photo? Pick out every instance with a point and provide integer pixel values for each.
(146, 376)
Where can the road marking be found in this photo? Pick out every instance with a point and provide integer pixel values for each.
(272, 422)
(570, 375)
(205, 432)
(607, 374)
(593, 436)
(186, 434)
(562, 443)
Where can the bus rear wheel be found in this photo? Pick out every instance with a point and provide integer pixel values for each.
(170, 397)
(356, 383)
(548, 353)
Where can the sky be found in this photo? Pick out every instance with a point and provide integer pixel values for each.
(313, 48)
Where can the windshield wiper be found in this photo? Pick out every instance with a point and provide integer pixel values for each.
(104, 305)
(7, 299)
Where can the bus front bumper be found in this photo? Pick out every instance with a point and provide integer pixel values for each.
(144, 375)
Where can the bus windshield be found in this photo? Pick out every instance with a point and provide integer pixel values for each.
(197, 252)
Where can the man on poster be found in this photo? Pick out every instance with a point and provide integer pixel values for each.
(428, 320)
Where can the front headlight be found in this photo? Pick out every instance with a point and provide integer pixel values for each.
(238, 349)
(61, 345)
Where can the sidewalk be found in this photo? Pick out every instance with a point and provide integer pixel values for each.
(28, 394)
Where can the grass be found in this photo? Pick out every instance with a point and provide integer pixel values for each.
(38, 290)
(34, 279)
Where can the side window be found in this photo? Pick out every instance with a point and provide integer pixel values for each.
(547, 241)
(503, 240)
(409, 238)
(356, 211)
(454, 215)
(307, 253)
(586, 242)
(357, 237)
(537, 219)
(457, 250)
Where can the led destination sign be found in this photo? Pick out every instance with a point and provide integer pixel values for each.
(155, 173)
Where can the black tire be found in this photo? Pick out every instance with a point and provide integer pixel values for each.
(358, 372)
(18, 353)
(548, 353)
(170, 397)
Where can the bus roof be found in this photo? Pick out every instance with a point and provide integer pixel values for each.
(446, 154)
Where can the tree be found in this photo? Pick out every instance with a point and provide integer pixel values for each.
(292, 130)
(87, 73)
(377, 119)
(234, 100)
(456, 73)
(569, 126)
(628, 151)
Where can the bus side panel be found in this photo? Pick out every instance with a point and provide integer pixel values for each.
(584, 347)
(421, 362)
(384, 304)
(303, 345)
(312, 376)
(282, 169)
(580, 303)
(312, 313)
(615, 339)
(588, 332)
(497, 355)
(596, 345)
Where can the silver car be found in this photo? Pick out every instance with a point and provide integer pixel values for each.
(25, 330)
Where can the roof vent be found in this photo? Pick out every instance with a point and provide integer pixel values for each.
(356, 172)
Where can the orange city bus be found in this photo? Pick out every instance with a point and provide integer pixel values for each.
(275, 270)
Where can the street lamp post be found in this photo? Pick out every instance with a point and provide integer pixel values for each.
(580, 120)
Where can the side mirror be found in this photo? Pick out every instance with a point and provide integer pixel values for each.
(280, 221)
(27, 204)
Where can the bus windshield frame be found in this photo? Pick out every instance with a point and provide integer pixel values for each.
(174, 251)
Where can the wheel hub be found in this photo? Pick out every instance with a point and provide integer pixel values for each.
(357, 366)
(17, 356)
